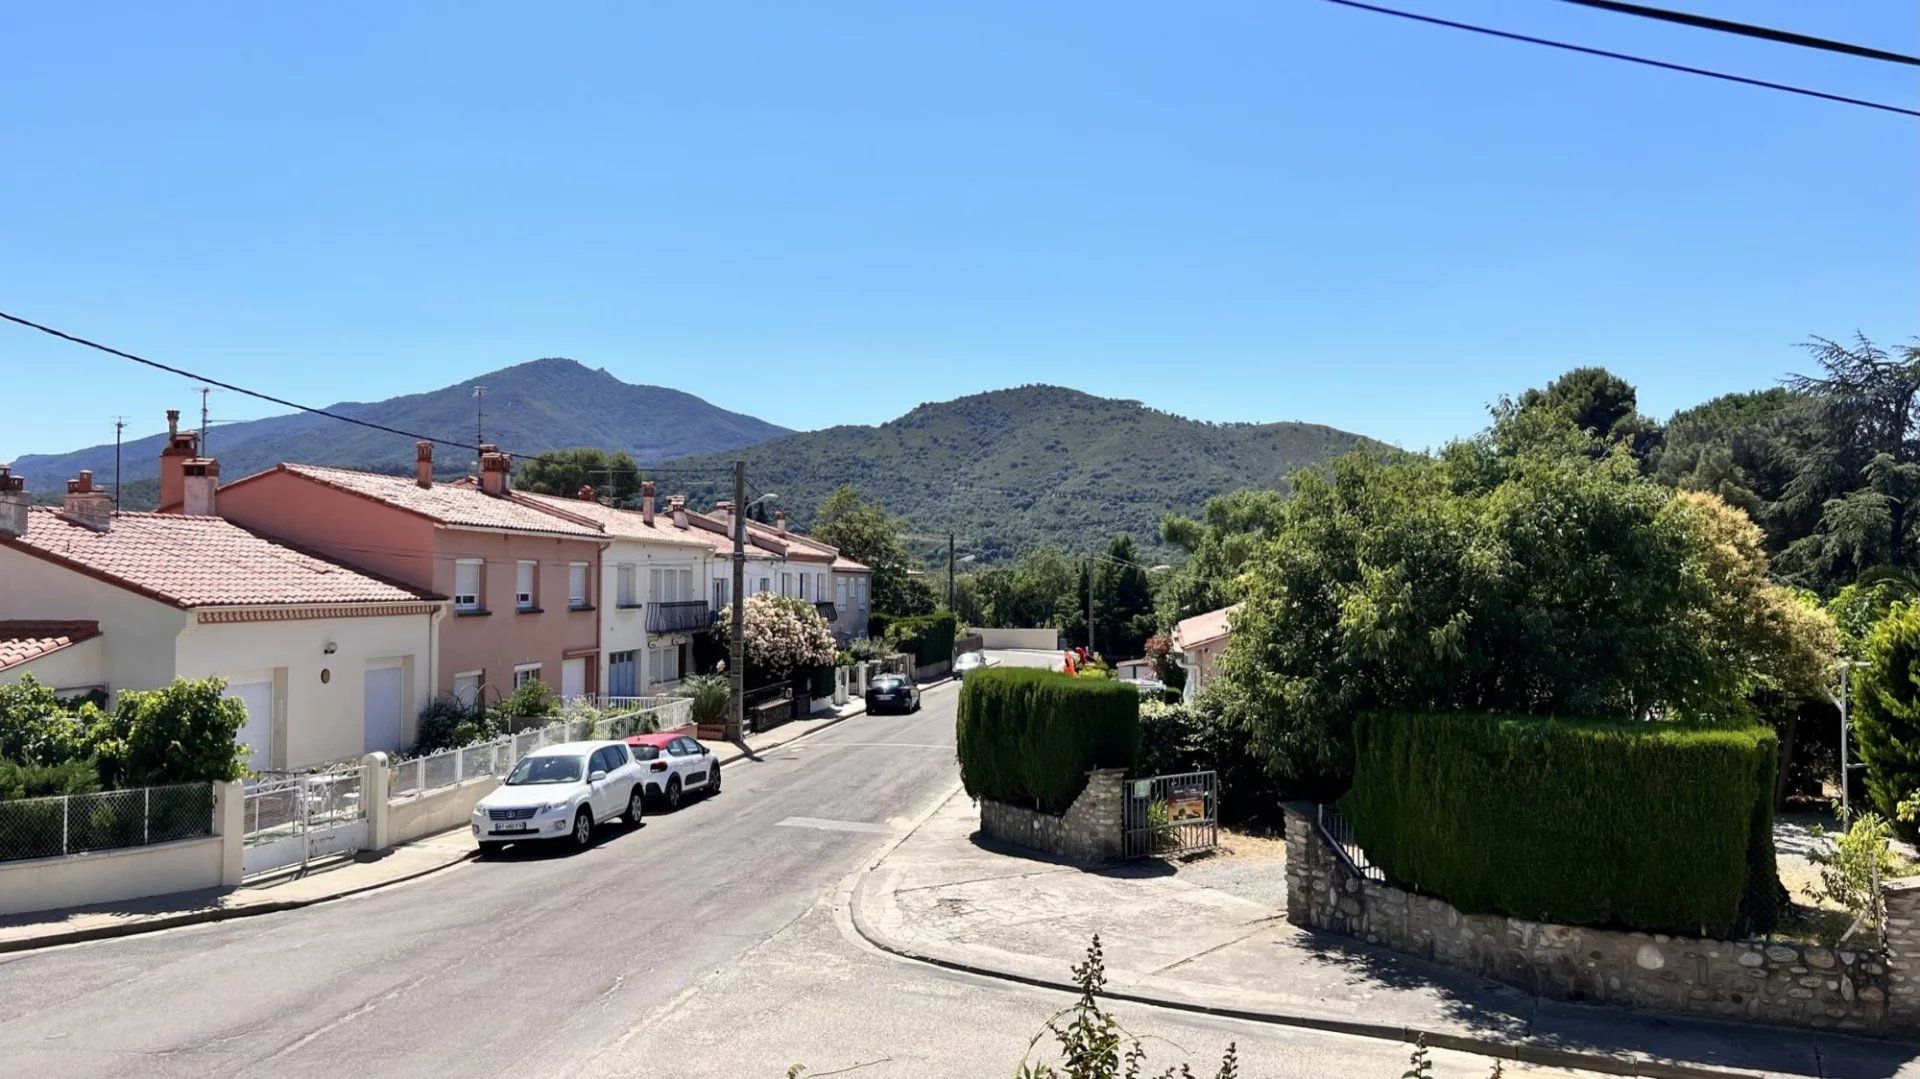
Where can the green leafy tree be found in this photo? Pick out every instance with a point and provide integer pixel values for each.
(564, 472)
(1123, 601)
(180, 733)
(1859, 607)
(864, 532)
(1219, 544)
(1886, 726)
(37, 728)
(1601, 404)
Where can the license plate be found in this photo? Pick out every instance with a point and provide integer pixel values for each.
(510, 829)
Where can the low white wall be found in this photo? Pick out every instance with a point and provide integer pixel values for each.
(1045, 640)
(109, 876)
(437, 811)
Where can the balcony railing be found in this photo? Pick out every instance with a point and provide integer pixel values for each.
(679, 617)
(827, 610)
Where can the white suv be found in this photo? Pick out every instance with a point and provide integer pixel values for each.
(561, 792)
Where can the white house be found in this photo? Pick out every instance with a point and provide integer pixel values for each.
(1199, 642)
(331, 663)
(653, 591)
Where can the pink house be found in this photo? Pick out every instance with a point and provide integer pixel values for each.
(522, 578)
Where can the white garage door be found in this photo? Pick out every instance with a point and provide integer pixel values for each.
(258, 732)
(384, 689)
(573, 678)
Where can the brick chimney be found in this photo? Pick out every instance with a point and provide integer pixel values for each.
(495, 469)
(87, 505)
(586, 493)
(13, 503)
(723, 509)
(780, 521)
(646, 501)
(677, 506)
(181, 447)
(201, 484)
(423, 463)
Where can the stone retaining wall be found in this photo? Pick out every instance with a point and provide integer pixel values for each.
(1790, 984)
(1091, 830)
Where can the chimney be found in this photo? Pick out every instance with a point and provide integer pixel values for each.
(780, 521)
(646, 501)
(87, 505)
(13, 503)
(201, 485)
(423, 463)
(494, 469)
(723, 509)
(181, 447)
(677, 506)
(586, 493)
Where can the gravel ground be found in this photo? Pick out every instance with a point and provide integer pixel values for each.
(1247, 866)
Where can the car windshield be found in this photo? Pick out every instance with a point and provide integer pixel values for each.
(555, 769)
(886, 683)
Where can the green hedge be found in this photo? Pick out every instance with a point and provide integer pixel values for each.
(1658, 827)
(927, 637)
(1028, 737)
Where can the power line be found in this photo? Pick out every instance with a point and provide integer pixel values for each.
(1629, 58)
(1765, 33)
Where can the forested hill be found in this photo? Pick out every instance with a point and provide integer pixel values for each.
(1014, 469)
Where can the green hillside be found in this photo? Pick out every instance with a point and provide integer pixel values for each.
(531, 408)
(1013, 469)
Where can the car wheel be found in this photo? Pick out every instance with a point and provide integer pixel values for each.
(583, 828)
(673, 793)
(635, 806)
(713, 780)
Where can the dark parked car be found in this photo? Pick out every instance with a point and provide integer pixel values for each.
(892, 693)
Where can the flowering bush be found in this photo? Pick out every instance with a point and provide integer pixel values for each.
(783, 634)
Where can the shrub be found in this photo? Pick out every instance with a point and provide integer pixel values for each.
(37, 728)
(711, 694)
(182, 733)
(532, 699)
(1886, 723)
(927, 637)
(1029, 737)
(447, 721)
(39, 780)
(1195, 737)
(820, 682)
(782, 635)
(1851, 872)
(1652, 826)
(868, 649)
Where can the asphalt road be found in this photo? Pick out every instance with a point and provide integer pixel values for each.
(706, 943)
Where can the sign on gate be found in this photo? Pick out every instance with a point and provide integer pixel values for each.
(1174, 814)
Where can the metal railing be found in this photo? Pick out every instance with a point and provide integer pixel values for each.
(452, 767)
(1171, 814)
(827, 609)
(1339, 836)
(679, 616)
(287, 807)
(65, 824)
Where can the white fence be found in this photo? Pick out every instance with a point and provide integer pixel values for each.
(294, 820)
(451, 767)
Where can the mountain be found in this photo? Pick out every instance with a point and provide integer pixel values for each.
(530, 408)
(1017, 468)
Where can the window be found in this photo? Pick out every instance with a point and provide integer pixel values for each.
(663, 664)
(786, 584)
(803, 586)
(840, 591)
(722, 591)
(524, 576)
(616, 756)
(524, 673)
(576, 584)
(466, 686)
(686, 586)
(654, 592)
(820, 586)
(860, 585)
(646, 753)
(466, 584)
(626, 585)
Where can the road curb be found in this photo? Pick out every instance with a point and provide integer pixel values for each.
(216, 914)
(1545, 1056)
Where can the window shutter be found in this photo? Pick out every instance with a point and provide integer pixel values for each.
(466, 585)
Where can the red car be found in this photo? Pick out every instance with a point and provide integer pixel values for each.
(674, 764)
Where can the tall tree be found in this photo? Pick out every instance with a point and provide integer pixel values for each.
(1887, 727)
(563, 472)
(1219, 544)
(866, 533)
(1600, 403)
(1123, 601)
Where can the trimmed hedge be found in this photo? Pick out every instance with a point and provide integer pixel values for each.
(1028, 737)
(927, 637)
(1659, 827)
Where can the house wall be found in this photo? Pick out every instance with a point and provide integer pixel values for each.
(499, 638)
(1202, 663)
(136, 642)
(852, 620)
(318, 718)
(624, 630)
(360, 532)
(70, 670)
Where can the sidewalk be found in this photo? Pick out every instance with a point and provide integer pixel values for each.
(1211, 935)
(334, 879)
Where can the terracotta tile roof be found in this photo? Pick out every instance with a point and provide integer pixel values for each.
(198, 561)
(1202, 628)
(625, 524)
(22, 640)
(448, 503)
(843, 564)
(716, 533)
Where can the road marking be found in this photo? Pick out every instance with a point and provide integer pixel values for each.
(899, 745)
(834, 825)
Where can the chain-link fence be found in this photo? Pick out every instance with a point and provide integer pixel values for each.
(72, 824)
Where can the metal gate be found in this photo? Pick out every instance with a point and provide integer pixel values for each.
(294, 820)
(1174, 814)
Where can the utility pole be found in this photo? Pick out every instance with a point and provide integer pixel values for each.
(1090, 648)
(949, 571)
(736, 640)
(119, 425)
(204, 391)
(479, 419)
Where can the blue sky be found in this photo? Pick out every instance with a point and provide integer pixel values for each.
(819, 215)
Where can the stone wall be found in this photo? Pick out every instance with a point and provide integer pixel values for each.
(1091, 830)
(1791, 984)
